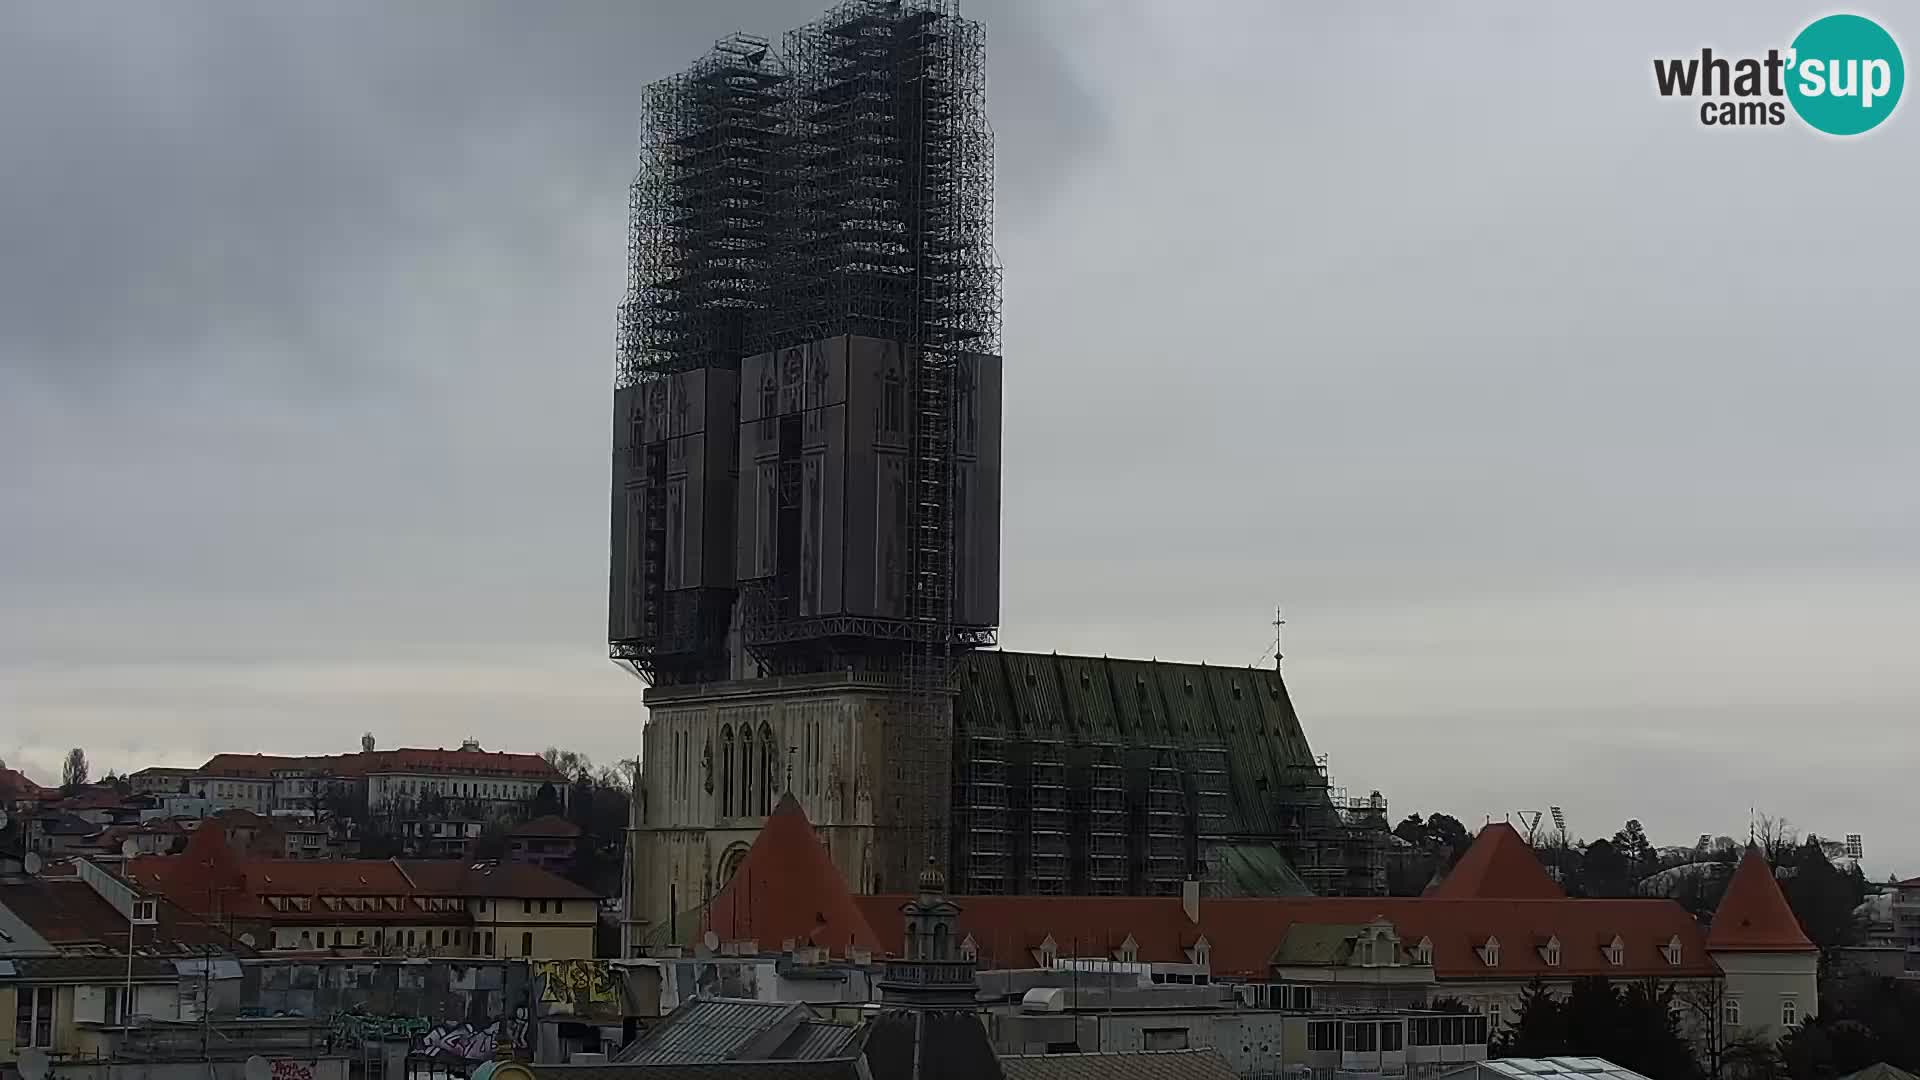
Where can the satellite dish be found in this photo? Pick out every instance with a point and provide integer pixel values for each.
(246, 939)
(35, 1065)
(3, 819)
(712, 941)
(258, 1069)
(129, 848)
(32, 864)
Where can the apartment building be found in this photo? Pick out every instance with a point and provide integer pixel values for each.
(379, 907)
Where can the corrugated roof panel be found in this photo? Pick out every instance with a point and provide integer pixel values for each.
(707, 1030)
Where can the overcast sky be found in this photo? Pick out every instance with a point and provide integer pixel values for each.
(1577, 439)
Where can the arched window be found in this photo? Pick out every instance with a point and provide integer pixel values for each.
(726, 771)
(746, 770)
(913, 942)
(940, 941)
(771, 754)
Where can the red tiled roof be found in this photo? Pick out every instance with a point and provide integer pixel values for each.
(15, 786)
(551, 826)
(462, 762)
(208, 876)
(1754, 915)
(1243, 933)
(68, 912)
(788, 887)
(1499, 866)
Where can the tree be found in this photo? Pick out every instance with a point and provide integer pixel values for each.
(545, 801)
(1539, 1027)
(1751, 1057)
(1605, 871)
(73, 774)
(1823, 896)
(1636, 1028)
(1632, 843)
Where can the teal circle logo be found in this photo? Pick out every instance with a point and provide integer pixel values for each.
(1846, 74)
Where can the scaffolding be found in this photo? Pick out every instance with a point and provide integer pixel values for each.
(1337, 845)
(700, 214)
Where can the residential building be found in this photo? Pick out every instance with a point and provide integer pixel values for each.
(493, 784)
(409, 907)
(547, 842)
(81, 955)
(159, 780)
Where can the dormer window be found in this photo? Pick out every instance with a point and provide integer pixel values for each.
(1049, 952)
(1129, 951)
(1672, 951)
(1423, 952)
(1550, 952)
(1203, 953)
(1490, 953)
(969, 948)
(1616, 951)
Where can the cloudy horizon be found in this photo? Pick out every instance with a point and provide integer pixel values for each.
(1573, 437)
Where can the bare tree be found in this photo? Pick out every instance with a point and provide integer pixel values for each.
(1775, 835)
(74, 772)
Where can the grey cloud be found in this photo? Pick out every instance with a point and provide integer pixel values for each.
(1552, 416)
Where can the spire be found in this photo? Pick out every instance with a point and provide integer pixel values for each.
(1754, 915)
(1499, 866)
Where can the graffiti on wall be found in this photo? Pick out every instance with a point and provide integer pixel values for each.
(577, 988)
(292, 1070)
(448, 1039)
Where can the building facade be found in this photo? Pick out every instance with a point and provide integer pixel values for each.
(376, 907)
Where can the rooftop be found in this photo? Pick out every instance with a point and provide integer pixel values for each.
(1753, 915)
(1203, 1064)
(1499, 865)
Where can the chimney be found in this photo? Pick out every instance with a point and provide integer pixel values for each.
(1190, 900)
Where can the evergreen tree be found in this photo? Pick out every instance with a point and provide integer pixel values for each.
(1539, 1027)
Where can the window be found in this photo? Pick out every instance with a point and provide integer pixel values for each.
(144, 913)
(339, 937)
(409, 939)
(1493, 1014)
(1391, 1036)
(726, 770)
(111, 1013)
(1789, 1012)
(306, 938)
(1673, 952)
(1490, 953)
(1323, 1035)
(33, 1017)
(1361, 1037)
(446, 937)
(543, 907)
(526, 907)
(1732, 1009)
(1551, 954)
(489, 948)
(1164, 1039)
(359, 937)
(526, 943)
(1616, 953)
(1423, 952)
(556, 906)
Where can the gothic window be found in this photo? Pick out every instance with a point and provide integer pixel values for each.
(746, 770)
(726, 771)
(771, 755)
